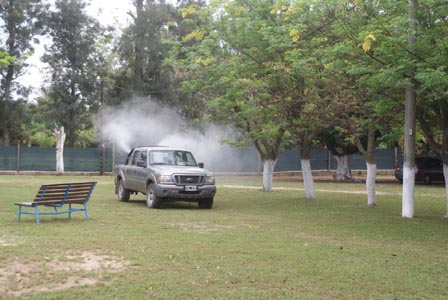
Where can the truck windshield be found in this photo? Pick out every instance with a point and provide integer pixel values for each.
(172, 157)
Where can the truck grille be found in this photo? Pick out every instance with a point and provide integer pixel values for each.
(189, 179)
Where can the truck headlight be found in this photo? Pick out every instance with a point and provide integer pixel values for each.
(210, 179)
(165, 179)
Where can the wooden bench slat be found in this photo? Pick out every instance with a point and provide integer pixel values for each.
(58, 196)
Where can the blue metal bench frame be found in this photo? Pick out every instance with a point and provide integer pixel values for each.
(60, 197)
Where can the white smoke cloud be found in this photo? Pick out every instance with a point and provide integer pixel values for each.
(143, 122)
(138, 122)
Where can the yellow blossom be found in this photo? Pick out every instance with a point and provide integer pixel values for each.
(295, 35)
(368, 42)
(194, 35)
(189, 11)
(200, 61)
(371, 37)
(240, 10)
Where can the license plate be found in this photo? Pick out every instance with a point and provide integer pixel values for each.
(191, 188)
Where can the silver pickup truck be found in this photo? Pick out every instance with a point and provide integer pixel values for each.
(164, 174)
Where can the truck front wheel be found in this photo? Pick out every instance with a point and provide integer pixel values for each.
(152, 200)
(123, 193)
(205, 203)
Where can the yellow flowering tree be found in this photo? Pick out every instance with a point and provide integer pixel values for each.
(241, 65)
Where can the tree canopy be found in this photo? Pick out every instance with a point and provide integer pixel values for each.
(285, 73)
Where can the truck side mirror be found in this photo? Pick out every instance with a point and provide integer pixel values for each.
(201, 165)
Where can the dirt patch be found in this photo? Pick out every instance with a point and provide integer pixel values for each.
(19, 278)
(6, 241)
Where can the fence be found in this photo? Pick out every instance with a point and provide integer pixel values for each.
(16, 158)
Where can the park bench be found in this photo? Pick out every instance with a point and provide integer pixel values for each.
(60, 198)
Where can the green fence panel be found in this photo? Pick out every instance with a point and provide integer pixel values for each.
(44, 159)
(8, 158)
(81, 159)
(37, 159)
(232, 160)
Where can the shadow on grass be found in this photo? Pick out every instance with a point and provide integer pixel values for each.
(167, 205)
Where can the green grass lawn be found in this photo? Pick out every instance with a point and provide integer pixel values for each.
(251, 245)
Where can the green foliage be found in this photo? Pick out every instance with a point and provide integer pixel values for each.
(279, 71)
(38, 129)
(6, 59)
(21, 23)
(431, 75)
(42, 139)
(141, 51)
(241, 53)
(72, 91)
(86, 138)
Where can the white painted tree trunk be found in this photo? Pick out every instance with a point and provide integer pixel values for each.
(407, 210)
(343, 172)
(268, 174)
(370, 184)
(60, 139)
(308, 179)
(445, 173)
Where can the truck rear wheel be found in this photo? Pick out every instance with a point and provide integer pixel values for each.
(206, 203)
(152, 200)
(123, 193)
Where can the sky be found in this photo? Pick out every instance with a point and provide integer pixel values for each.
(110, 12)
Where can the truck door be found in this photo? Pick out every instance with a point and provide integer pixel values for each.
(131, 170)
(141, 171)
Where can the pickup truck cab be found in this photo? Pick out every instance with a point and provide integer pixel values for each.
(164, 174)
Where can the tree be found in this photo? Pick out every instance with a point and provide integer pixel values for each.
(21, 23)
(364, 103)
(189, 103)
(141, 52)
(431, 78)
(245, 74)
(409, 128)
(73, 65)
(304, 24)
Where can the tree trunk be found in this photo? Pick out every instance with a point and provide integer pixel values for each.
(445, 173)
(268, 174)
(60, 139)
(6, 114)
(407, 210)
(305, 151)
(308, 182)
(369, 155)
(138, 48)
(370, 184)
(343, 172)
(8, 79)
(409, 131)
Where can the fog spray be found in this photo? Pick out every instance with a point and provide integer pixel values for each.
(144, 122)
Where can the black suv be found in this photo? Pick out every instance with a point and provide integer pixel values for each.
(427, 169)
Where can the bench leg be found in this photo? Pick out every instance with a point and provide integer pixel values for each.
(36, 211)
(85, 209)
(19, 213)
(69, 211)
